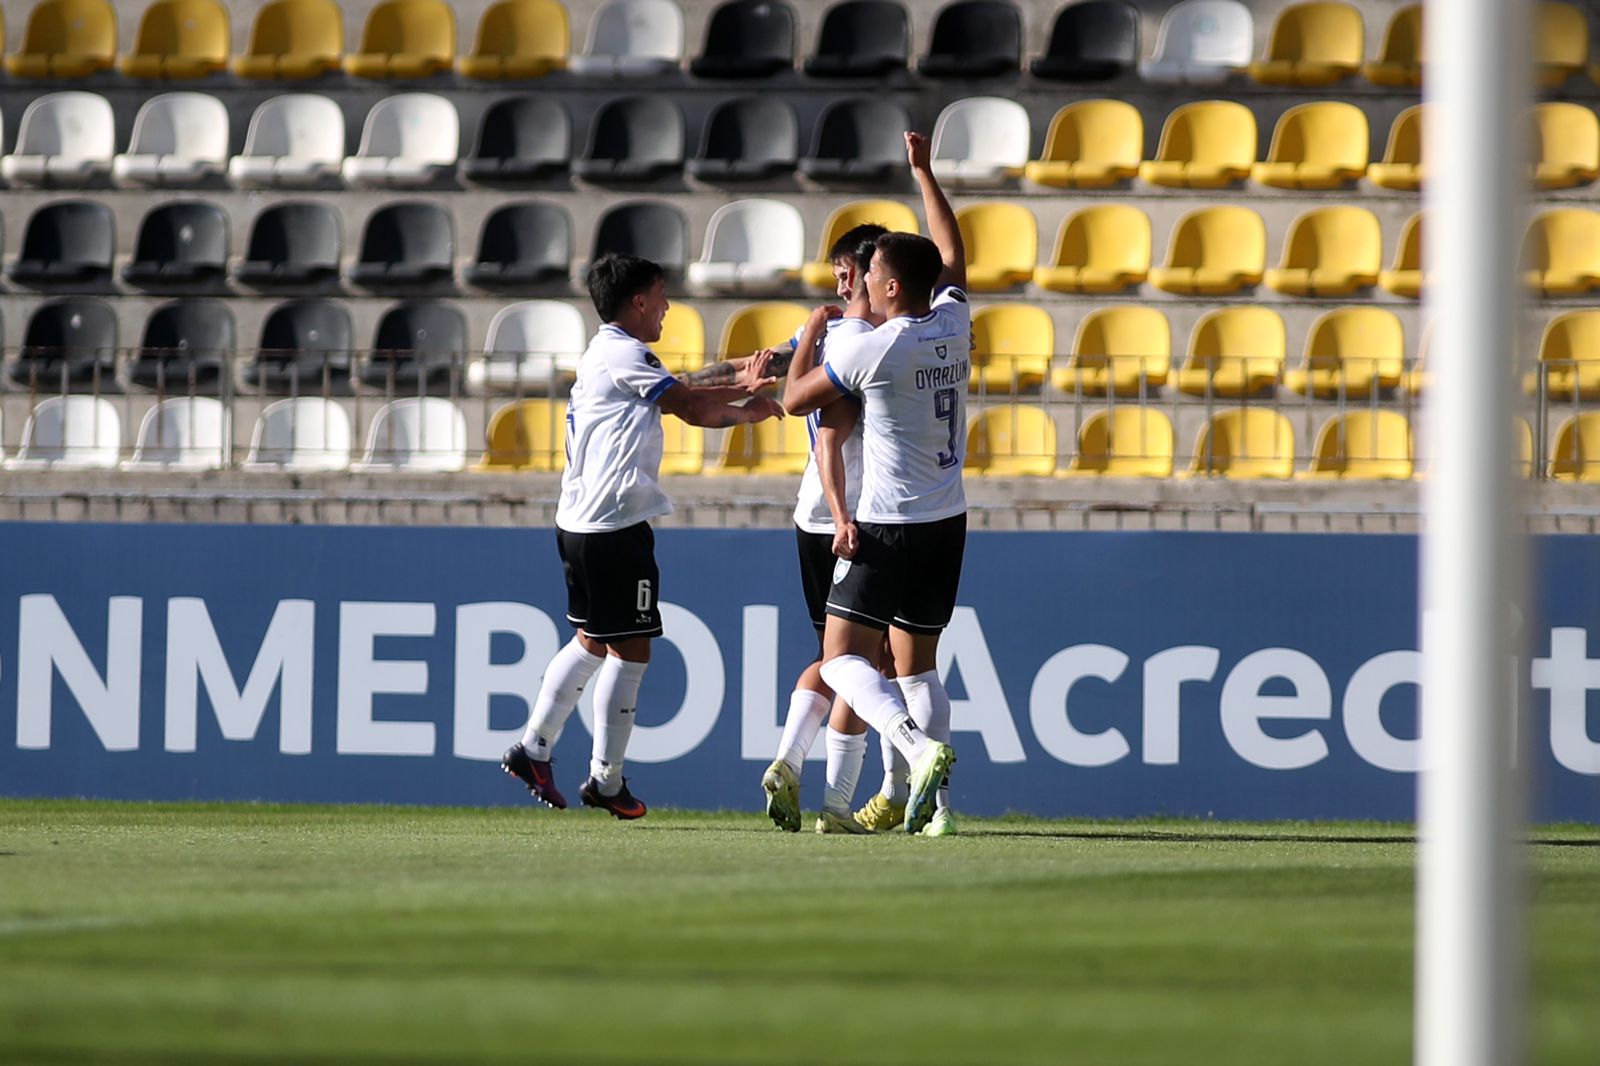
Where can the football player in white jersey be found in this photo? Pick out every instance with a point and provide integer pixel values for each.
(609, 493)
(900, 557)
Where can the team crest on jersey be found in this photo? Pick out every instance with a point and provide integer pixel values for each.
(840, 568)
(650, 357)
(941, 350)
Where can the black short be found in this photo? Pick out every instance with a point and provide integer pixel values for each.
(906, 576)
(613, 586)
(816, 572)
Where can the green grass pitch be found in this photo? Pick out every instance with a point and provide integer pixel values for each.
(253, 934)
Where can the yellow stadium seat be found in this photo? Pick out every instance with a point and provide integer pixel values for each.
(66, 39)
(1012, 440)
(527, 435)
(1002, 243)
(1418, 378)
(405, 39)
(763, 325)
(1120, 349)
(1104, 248)
(1330, 251)
(1561, 253)
(1214, 251)
(1247, 442)
(1091, 144)
(1313, 44)
(1399, 61)
(1126, 441)
(1524, 438)
(518, 39)
(1401, 167)
(1569, 357)
(1567, 151)
(1577, 454)
(179, 39)
(1405, 277)
(1012, 345)
(1208, 144)
(1234, 351)
(1316, 146)
(683, 447)
(1351, 352)
(1560, 43)
(1363, 445)
(890, 214)
(293, 39)
(682, 347)
(776, 446)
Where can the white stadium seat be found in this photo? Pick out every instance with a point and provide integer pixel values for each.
(178, 139)
(409, 139)
(70, 431)
(632, 39)
(1201, 42)
(305, 433)
(294, 141)
(752, 246)
(980, 142)
(183, 433)
(529, 345)
(421, 433)
(65, 139)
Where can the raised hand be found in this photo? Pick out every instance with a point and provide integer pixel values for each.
(763, 408)
(756, 373)
(918, 151)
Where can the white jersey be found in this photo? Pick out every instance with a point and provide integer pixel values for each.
(811, 510)
(911, 375)
(614, 438)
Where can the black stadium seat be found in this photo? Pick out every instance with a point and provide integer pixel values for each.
(858, 140)
(633, 138)
(72, 339)
(747, 39)
(180, 244)
(974, 39)
(416, 343)
(748, 139)
(406, 244)
(523, 243)
(186, 345)
(305, 349)
(861, 39)
(651, 231)
(292, 244)
(1091, 41)
(520, 138)
(67, 241)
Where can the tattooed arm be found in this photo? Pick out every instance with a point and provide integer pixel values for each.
(727, 372)
(699, 408)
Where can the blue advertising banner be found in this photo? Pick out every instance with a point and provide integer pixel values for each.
(1102, 674)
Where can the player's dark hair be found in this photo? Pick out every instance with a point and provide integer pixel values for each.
(912, 260)
(848, 246)
(614, 279)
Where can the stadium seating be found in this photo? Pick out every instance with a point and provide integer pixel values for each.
(178, 39)
(1401, 167)
(532, 347)
(522, 243)
(66, 242)
(1090, 144)
(1523, 434)
(775, 447)
(528, 435)
(1560, 43)
(1363, 445)
(305, 349)
(1417, 379)
(1092, 40)
(747, 39)
(68, 344)
(1577, 451)
(1124, 441)
(1234, 352)
(66, 139)
(1002, 245)
(751, 138)
(858, 139)
(66, 39)
(1351, 353)
(1012, 440)
(1246, 443)
(418, 344)
(682, 347)
(292, 244)
(1569, 358)
(633, 138)
(1122, 351)
(683, 448)
(294, 141)
(1399, 62)
(887, 213)
(861, 39)
(407, 243)
(182, 433)
(1100, 249)
(763, 325)
(1567, 145)
(1208, 144)
(751, 246)
(1012, 345)
(519, 139)
(186, 347)
(518, 39)
(183, 243)
(1405, 278)
(632, 39)
(1201, 42)
(70, 432)
(1316, 43)
(1561, 252)
(1330, 251)
(1316, 146)
(405, 39)
(409, 140)
(980, 142)
(305, 434)
(179, 139)
(974, 39)
(1214, 251)
(292, 40)
(654, 231)
(418, 433)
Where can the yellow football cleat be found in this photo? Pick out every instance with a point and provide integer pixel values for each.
(879, 815)
(942, 825)
(831, 822)
(783, 796)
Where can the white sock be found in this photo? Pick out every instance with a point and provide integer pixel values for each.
(807, 712)
(569, 670)
(896, 788)
(929, 705)
(875, 702)
(616, 693)
(846, 753)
